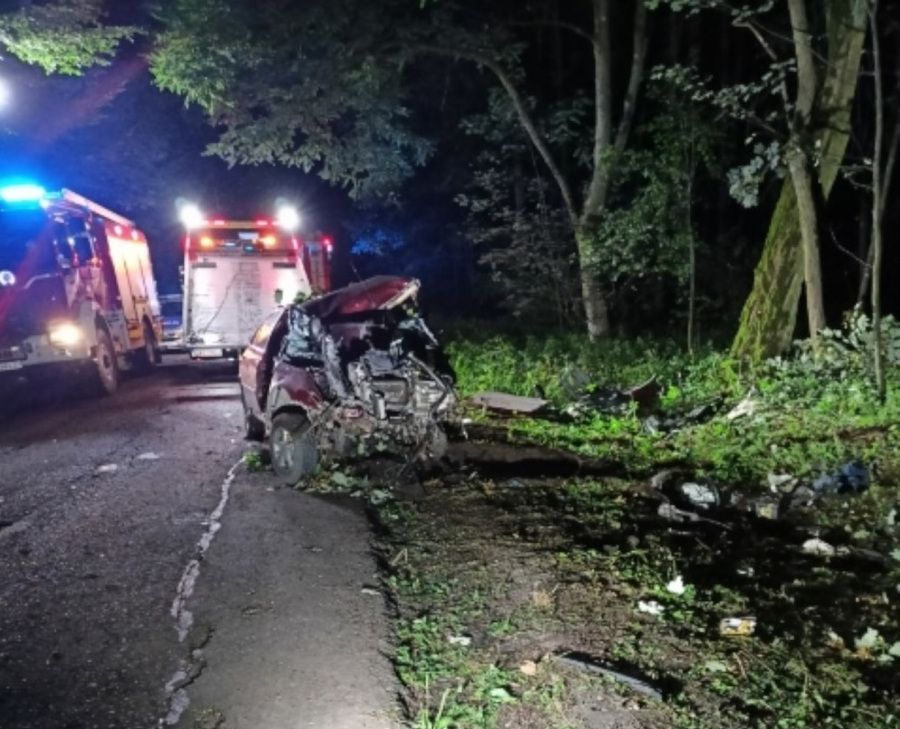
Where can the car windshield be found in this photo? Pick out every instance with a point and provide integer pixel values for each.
(25, 241)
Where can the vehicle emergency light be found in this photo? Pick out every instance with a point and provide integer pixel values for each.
(288, 217)
(191, 216)
(22, 192)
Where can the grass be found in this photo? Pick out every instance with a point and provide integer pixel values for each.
(810, 415)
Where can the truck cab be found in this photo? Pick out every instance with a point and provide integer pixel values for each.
(76, 288)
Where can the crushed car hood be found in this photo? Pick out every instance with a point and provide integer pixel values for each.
(373, 294)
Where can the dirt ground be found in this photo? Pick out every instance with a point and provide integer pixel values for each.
(533, 601)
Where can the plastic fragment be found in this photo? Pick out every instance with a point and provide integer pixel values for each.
(651, 607)
(737, 627)
(676, 586)
(818, 547)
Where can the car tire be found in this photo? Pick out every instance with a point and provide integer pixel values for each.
(105, 377)
(293, 448)
(254, 428)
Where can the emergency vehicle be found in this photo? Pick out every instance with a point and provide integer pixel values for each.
(237, 271)
(76, 288)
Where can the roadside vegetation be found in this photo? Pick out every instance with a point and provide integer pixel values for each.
(526, 599)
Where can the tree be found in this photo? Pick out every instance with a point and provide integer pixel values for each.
(321, 87)
(62, 36)
(316, 86)
(521, 233)
(821, 123)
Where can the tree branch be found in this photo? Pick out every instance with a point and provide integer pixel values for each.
(635, 77)
(525, 118)
(602, 110)
(806, 67)
(571, 27)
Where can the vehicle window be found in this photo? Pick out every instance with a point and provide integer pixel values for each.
(25, 243)
(261, 336)
(81, 240)
(64, 251)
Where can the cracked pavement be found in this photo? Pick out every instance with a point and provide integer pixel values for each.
(91, 557)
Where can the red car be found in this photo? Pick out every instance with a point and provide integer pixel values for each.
(346, 373)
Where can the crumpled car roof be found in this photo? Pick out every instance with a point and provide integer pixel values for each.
(373, 294)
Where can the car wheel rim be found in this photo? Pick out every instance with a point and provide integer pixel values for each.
(282, 449)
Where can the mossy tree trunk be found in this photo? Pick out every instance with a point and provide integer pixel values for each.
(769, 317)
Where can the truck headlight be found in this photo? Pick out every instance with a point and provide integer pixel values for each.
(65, 335)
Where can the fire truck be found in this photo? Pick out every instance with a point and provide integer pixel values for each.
(237, 271)
(76, 289)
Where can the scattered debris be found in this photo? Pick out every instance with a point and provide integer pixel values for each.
(106, 468)
(745, 407)
(504, 403)
(366, 590)
(676, 586)
(668, 424)
(818, 547)
(700, 495)
(781, 482)
(651, 607)
(148, 456)
(766, 507)
(851, 478)
(612, 401)
(528, 668)
(585, 664)
(737, 627)
(670, 512)
(663, 478)
(461, 640)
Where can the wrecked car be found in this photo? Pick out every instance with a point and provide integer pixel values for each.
(344, 374)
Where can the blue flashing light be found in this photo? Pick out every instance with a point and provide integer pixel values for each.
(23, 192)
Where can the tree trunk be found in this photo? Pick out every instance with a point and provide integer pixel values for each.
(809, 235)
(770, 312)
(596, 313)
(877, 242)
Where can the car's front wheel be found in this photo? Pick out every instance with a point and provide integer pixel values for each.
(293, 447)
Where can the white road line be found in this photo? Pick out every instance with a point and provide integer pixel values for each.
(184, 618)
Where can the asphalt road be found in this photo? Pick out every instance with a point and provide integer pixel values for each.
(147, 579)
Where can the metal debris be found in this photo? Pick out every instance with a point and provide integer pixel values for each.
(502, 402)
(636, 684)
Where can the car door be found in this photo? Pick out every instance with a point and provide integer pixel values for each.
(253, 362)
